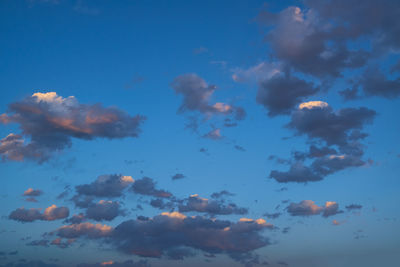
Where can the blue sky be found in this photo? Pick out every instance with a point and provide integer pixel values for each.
(288, 109)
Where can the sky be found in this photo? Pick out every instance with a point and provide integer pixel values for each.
(199, 133)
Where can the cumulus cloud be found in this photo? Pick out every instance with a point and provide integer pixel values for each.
(86, 229)
(155, 237)
(29, 215)
(340, 129)
(213, 207)
(111, 185)
(50, 122)
(333, 127)
(32, 192)
(147, 186)
(104, 210)
(309, 208)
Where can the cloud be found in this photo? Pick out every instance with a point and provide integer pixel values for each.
(146, 186)
(281, 93)
(128, 263)
(221, 194)
(86, 229)
(340, 129)
(155, 237)
(51, 121)
(323, 123)
(33, 192)
(304, 208)
(76, 219)
(197, 95)
(41, 243)
(29, 215)
(305, 41)
(213, 207)
(178, 176)
(104, 210)
(309, 208)
(35, 263)
(375, 83)
(111, 185)
(354, 207)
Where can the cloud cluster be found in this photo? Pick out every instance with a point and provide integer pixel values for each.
(175, 236)
(197, 95)
(309, 208)
(50, 122)
(29, 215)
(339, 132)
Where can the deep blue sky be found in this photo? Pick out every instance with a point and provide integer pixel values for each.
(240, 70)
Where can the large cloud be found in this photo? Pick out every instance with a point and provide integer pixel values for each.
(51, 121)
(213, 207)
(175, 236)
(155, 236)
(29, 215)
(308, 43)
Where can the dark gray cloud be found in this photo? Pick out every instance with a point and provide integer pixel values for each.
(111, 185)
(309, 208)
(178, 176)
(51, 121)
(354, 207)
(146, 186)
(273, 215)
(318, 120)
(41, 243)
(31, 264)
(221, 193)
(128, 263)
(156, 236)
(104, 210)
(282, 93)
(213, 207)
(29, 215)
(174, 235)
(375, 83)
(339, 132)
(76, 218)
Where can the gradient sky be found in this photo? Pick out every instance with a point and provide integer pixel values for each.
(199, 133)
